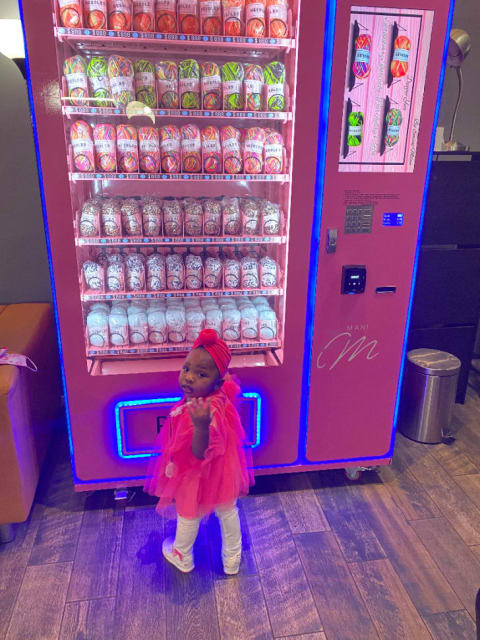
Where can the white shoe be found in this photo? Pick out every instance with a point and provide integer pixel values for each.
(231, 565)
(183, 563)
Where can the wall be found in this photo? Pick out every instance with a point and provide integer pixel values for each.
(467, 129)
(24, 273)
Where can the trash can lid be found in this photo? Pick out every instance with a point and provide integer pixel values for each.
(433, 362)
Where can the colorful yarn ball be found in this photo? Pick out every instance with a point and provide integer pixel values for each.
(232, 84)
(97, 74)
(211, 85)
(120, 74)
(145, 83)
(191, 149)
(188, 16)
(166, 16)
(120, 15)
(361, 65)
(273, 152)
(274, 77)
(355, 129)
(233, 17)
(231, 150)
(211, 150)
(82, 146)
(127, 148)
(149, 149)
(75, 71)
(189, 84)
(167, 84)
(277, 13)
(70, 13)
(170, 148)
(210, 17)
(95, 12)
(143, 15)
(253, 87)
(255, 18)
(401, 51)
(393, 120)
(253, 148)
(104, 139)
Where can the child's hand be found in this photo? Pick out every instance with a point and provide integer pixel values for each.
(199, 410)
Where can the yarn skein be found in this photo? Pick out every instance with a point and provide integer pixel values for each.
(274, 76)
(361, 65)
(143, 15)
(233, 17)
(166, 16)
(355, 129)
(97, 74)
(232, 84)
(253, 87)
(211, 83)
(75, 72)
(95, 14)
(188, 21)
(401, 51)
(167, 84)
(145, 83)
(189, 84)
(393, 121)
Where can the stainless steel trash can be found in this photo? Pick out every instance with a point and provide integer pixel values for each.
(429, 390)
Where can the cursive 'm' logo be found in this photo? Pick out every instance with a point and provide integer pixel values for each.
(349, 350)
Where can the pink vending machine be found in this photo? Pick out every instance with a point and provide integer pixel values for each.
(184, 187)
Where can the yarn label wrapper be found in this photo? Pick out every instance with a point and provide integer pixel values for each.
(75, 80)
(149, 145)
(121, 83)
(256, 10)
(231, 145)
(170, 145)
(126, 146)
(393, 130)
(355, 130)
(189, 84)
(145, 79)
(167, 85)
(191, 145)
(105, 146)
(211, 83)
(274, 90)
(273, 151)
(98, 82)
(362, 55)
(211, 146)
(232, 86)
(278, 12)
(401, 55)
(254, 146)
(253, 86)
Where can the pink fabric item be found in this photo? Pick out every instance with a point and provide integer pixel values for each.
(217, 348)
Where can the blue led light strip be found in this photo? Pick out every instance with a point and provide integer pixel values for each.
(420, 227)
(315, 241)
(121, 449)
(47, 238)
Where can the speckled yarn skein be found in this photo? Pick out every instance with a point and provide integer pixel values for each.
(188, 16)
(95, 14)
(233, 17)
(120, 74)
(167, 84)
(355, 129)
(104, 139)
(274, 77)
(189, 84)
(120, 15)
(82, 146)
(166, 16)
(211, 86)
(143, 15)
(232, 85)
(145, 83)
(127, 148)
(210, 17)
(361, 65)
(99, 85)
(401, 51)
(393, 120)
(75, 72)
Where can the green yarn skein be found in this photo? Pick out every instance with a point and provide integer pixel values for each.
(355, 129)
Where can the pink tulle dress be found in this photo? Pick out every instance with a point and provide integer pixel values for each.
(199, 486)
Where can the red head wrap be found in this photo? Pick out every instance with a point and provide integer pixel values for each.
(217, 348)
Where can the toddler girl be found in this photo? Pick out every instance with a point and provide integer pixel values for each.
(203, 465)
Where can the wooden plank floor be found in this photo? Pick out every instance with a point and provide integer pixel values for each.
(395, 555)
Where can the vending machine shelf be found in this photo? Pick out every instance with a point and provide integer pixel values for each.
(179, 177)
(176, 240)
(97, 296)
(277, 116)
(89, 40)
(178, 348)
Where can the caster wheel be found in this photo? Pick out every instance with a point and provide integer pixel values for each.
(353, 473)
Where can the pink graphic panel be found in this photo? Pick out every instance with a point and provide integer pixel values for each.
(386, 69)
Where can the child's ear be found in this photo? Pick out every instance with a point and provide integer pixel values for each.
(219, 383)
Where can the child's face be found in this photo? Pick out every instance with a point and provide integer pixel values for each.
(199, 375)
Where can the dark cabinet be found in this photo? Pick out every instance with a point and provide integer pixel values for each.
(446, 302)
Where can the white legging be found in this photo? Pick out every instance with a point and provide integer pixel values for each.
(187, 530)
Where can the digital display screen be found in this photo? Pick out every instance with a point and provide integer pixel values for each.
(393, 219)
